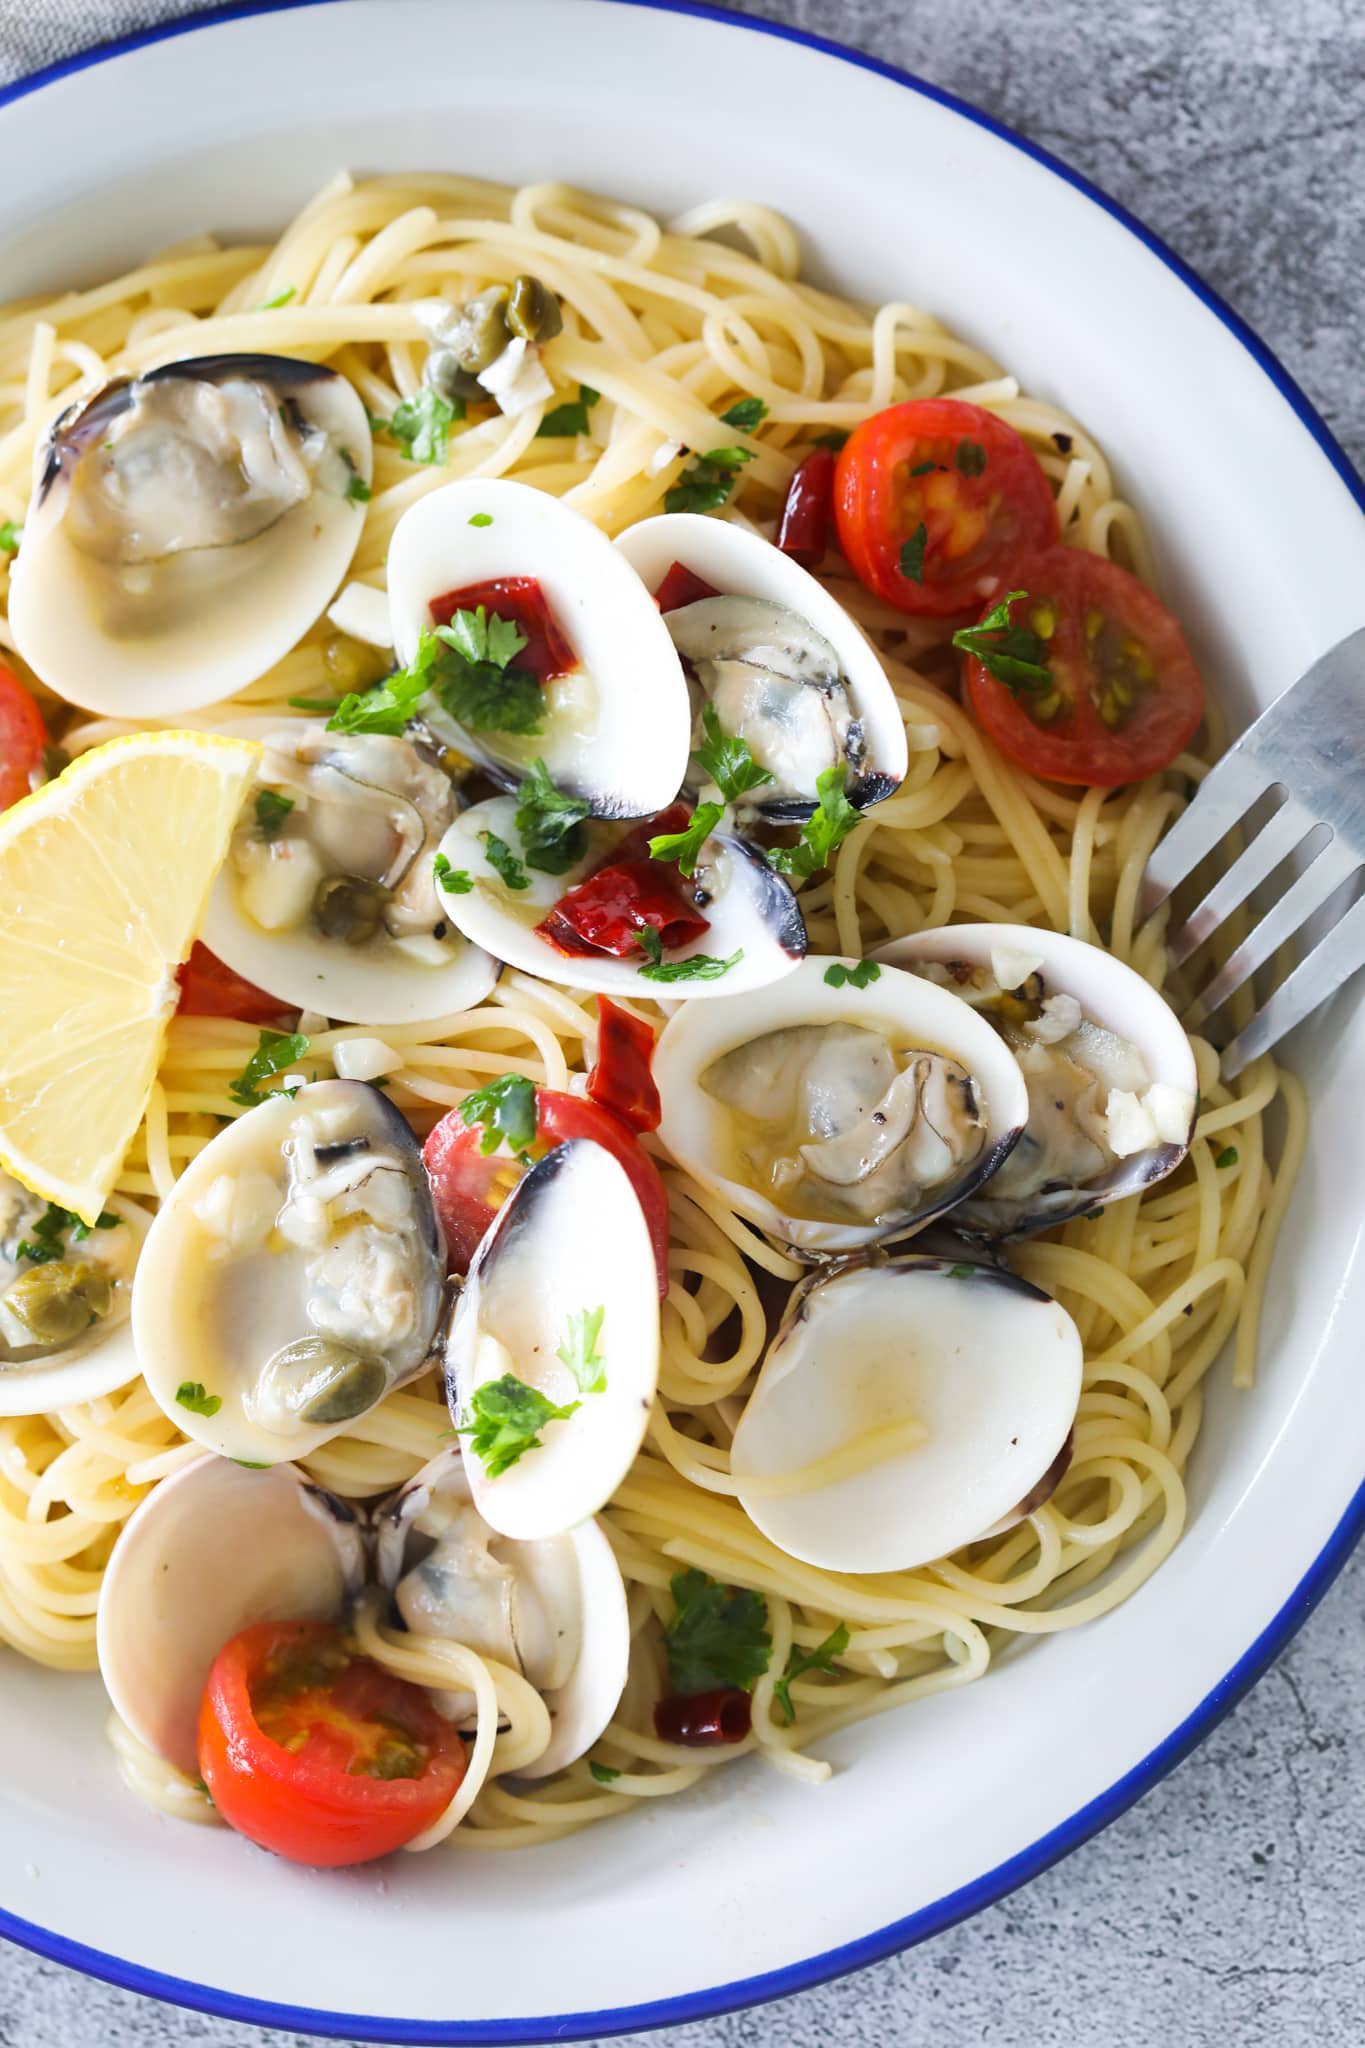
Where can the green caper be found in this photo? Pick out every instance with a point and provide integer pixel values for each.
(351, 664)
(346, 908)
(446, 375)
(324, 1381)
(533, 310)
(480, 334)
(59, 1301)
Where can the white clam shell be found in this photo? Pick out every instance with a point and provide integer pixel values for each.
(989, 1365)
(629, 755)
(753, 913)
(581, 1708)
(211, 1550)
(248, 607)
(353, 985)
(695, 1125)
(94, 1365)
(571, 1237)
(737, 561)
(1111, 994)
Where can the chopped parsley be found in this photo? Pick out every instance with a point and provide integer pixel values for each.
(746, 414)
(567, 421)
(275, 1051)
(501, 857)
(961, 1272)
(970, 458)
(800, 1662)
(824, 831)
(925, 468)
(1092, 1215)
(1014, 655)
(580, 1353)
(707, 485)
(685, 847)
(698, 967)
(834, 438)
(1227, 1157)
(550, 823)
(912, 554)
(455, 881)
(718, 1635)
(506, 1418)
(45, 1245)
(861, 976)
(281, 298)
(10, 536)
(727, 759)
(190, 1394)
(357, 490)
(506, 1108)
(481, 519)
(603, 1773)
(421, 425)
(271, 811)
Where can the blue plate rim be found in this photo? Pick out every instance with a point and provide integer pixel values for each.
(1088, 1820)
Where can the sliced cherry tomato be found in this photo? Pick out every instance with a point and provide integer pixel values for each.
(22, 739)
(607, 912)
(803, 529)
(210, 988)
(317, 1753)
(469, 1187)
(519, 598)
(1123, 695)
(935, 501)
(621, 1080)
(681, 587)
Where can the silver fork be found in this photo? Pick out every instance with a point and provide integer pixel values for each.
(1311, 744)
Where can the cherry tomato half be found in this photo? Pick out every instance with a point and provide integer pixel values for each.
(469, 1187)
(620, 1078)
(317, 1753)
(1124, 694)
(935, 500)
(210, 988)
(22, 739)
(518, 598)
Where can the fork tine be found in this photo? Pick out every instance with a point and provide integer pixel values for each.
(1333, 866)
(1275, 841)
(1226, 794)
(1329, 964)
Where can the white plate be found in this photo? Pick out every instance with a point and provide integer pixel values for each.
(757, 1886)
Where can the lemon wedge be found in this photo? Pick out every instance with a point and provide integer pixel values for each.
(104, 875)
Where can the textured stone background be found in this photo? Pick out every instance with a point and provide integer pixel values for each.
(1226, 1910)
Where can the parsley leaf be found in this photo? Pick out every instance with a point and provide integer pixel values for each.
(275, 1051)
(421, 425)
(834, 438)
(10, 536)
(970, 458)
(912, 554)
(708, 483)
(481, 519)
(603, 1773)
(358, 491)
(650, 944)
(861, 976)
(501, 857)
(482, 636)
(271, 811)
(824, 831)
(727, 759)
(190, 1394)
(506, 1418)
(45, 1245)
(386, 707)
(1015, 655)
(801, 1661)
(1227, 1157)
(506, 1108)
(685, 847)
(718, 1635)
(698, 967)
(580, 1353)
(570, 419)
(550, 823)
(473, 674)
(455, 881)
(745, 413)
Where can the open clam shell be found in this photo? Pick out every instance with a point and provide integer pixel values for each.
(294, 1277)
(1121, 1015)
(186, 528)
(905, 1409)
(366, 808)
(553, 1608)
(834, 1115)
(615, 729)
(803, 699)
(211, 1550)
(570, 1242)
(35, 1380)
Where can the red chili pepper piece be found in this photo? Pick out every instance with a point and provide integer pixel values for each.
(605, 913)
(209, 988)
(679, 587)
(620, 1080)
(803, 529)
(706, 1719)
(635, 845)
(519, 598)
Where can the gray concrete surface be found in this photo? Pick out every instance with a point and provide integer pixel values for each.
(1226, 1910)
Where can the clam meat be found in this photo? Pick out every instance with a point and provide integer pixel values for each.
(65, 1294)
